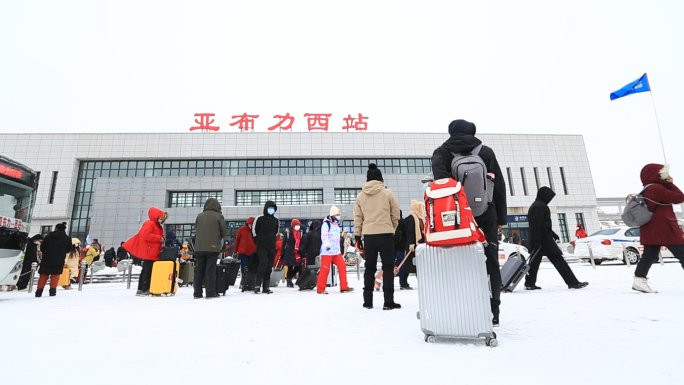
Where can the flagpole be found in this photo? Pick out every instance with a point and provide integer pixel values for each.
(657, 123)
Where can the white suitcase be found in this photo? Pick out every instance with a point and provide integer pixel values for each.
(454, 293)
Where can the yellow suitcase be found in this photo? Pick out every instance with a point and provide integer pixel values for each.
(65, 277)
(164, 277)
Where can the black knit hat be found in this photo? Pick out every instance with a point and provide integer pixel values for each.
(461, 126)
(373, 173)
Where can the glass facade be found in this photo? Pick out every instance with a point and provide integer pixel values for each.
(192, 198)
(89, 171)
(183, 231)
(563, 224)
(281, 197)
(346, 196)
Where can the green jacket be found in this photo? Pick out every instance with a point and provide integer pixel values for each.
(210, 228)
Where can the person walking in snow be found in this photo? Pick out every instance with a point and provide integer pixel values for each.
(331, 242)
(55, 247)
(543, 238)
(376, 217)
(147, 245)
(244, 244)
(210, 229)
(415, 235)
(462, 141)
(662, 230)
(265, 230)
(312, 243)
(30, 256)
(292, 251)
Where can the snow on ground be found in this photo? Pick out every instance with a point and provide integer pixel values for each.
(604, 334)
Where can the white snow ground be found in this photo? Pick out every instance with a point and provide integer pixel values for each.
(604, 334)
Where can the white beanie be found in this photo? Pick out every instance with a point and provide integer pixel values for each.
(334, 211)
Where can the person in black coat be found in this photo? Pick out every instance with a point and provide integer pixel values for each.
(400, 247)
(543, 238)
(55, 247)
(109, 256)
(265, 230)
(121, 253)
(462, 140)
(30, 256)
(312, 243)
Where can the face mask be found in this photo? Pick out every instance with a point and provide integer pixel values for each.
(37, 243)
(297, 227)
(338, 217)
(425, 186)
(270, 211)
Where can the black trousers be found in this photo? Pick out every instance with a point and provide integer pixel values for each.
(293, 270)
(266, 258)
(491, 231)
(556, 258)
(205, 271)
(145, 275)
(651, 254)
(375, 244)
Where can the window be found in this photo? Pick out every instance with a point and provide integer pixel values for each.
(510, 181)
(563, 224)
(606, 232)
(44, 230)
(548, 171)
(183, 231)
(280, 197)
(522, 175)
(565, 185)
(53, 186)
(346, 196)
(192, 198)
(536, 177)
(579, 218)
(633, 232)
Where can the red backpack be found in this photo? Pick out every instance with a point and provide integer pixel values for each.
(449, 220)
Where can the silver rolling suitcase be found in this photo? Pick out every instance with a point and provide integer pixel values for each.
(454, 293)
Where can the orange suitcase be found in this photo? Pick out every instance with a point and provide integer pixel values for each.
(164, 277)
(65, 277)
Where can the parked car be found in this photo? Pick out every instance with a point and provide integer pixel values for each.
(614, 244)
(508, 250)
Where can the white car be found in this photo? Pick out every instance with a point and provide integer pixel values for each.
(507, 250)
(613, 244)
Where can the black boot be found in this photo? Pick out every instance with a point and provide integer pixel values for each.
(39, 292)
(267, 289)
(53, 292)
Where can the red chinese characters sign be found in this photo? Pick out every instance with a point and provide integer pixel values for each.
(285, 122)
(12, 223)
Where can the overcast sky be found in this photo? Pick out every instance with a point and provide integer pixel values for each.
(410, 66)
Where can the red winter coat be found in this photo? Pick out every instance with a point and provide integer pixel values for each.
(663, 229)
(147, 243)
(244, 243)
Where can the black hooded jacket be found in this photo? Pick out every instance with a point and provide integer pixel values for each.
(539, 215)
(464, 144)
(312, 242)
(400, 235)
(31, 254)
(265, 228)
(55, 247)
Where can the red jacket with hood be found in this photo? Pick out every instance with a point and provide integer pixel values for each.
(147, 243)
(244, 243)
(663, 229)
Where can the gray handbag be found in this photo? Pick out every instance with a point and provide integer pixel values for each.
(636, 212)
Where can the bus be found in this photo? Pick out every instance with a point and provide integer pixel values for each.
(18, 185)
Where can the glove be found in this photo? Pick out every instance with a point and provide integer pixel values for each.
(412, 248)
(555, 237)
(359, 242)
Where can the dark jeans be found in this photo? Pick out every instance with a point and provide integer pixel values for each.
(266, 257)
(403, 276)
(205, 271)
(558, 262)
(293, 270)
(384, 245)
(244, 261)
(651, 254)
(491, 250)
(145, 275)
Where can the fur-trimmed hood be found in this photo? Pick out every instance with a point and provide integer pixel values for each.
(655, 173)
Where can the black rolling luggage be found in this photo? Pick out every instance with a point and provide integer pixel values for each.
(170, 253)
(221, 279)
(514, 270)
(247, 281)
(308, 278)
(233, 266)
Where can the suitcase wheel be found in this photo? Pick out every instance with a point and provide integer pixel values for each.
(430, 339)
(492, 342)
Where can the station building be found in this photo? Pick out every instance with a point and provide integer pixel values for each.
(103, 184)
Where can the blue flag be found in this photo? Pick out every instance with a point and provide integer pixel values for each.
(639, 85)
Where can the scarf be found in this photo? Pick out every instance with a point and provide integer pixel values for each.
(417, 209)
(298, 238)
